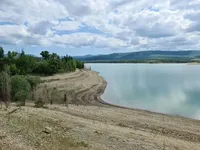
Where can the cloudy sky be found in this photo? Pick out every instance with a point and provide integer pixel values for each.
(79, 27)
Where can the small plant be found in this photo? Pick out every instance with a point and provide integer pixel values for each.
(39, 103)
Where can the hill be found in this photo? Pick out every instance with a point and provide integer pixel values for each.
(142, 55)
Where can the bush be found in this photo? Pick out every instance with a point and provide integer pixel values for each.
(33, 81)
(79, 65)
(41, 68)
(13, 69)
(21, 97)
(20, 88)
(40, 103)
(5, 87)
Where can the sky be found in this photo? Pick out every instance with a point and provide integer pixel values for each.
(80, 27)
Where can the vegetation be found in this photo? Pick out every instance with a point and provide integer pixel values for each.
(5, 88)
(39, 103)
(160, 60)
(49, 64)
(17, 69)
(143, 56)
(20, 89)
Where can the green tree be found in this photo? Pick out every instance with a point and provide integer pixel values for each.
(12, 56)
(20, 88)
(42, 68)
(50, 64)
(25, 63)
(5, 88)
(1, 52)
(45, 54)
(13, 69)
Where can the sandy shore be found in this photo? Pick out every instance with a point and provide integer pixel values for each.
(92, 125)
(83, 87)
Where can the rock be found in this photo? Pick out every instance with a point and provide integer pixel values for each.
(47, 130)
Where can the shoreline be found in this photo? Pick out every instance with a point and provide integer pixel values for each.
(83, 87)
(90, 123)
(130, 108)
(89, 97)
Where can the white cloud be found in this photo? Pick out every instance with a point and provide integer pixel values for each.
(88, 39)
(152, 24)
(68, 25)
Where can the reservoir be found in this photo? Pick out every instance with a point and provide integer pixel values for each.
(166, 88)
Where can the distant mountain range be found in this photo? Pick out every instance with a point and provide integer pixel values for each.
(141, 55)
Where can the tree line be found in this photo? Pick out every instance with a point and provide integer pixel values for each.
(48, 64)
(17, 73)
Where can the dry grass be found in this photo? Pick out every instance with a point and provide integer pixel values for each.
(31, 128)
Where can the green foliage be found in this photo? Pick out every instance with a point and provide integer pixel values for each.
(5, 87)
(33, 81)
(10, 59)
(1, 52)
(45, 54)
(1, 58)
(41, 68)
(25, 63)
(21, 97)
(13, 69)
(20, 88)
(55, 64)
(79, 64)
(22, 64)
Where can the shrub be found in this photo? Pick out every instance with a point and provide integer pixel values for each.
(21, 97)
(41, 67)
(39, 103)
(13, 69)
(33, 81)
(20, 88)
(79, 64)
(5, 87)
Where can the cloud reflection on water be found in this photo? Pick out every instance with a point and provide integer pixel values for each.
(166, 88)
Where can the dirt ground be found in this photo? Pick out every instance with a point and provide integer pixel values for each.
(92, 125)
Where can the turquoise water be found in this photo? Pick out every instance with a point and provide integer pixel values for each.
(166, 88)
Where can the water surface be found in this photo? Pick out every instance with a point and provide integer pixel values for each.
(166, 88)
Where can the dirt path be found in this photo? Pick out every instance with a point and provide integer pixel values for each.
(93, 125)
